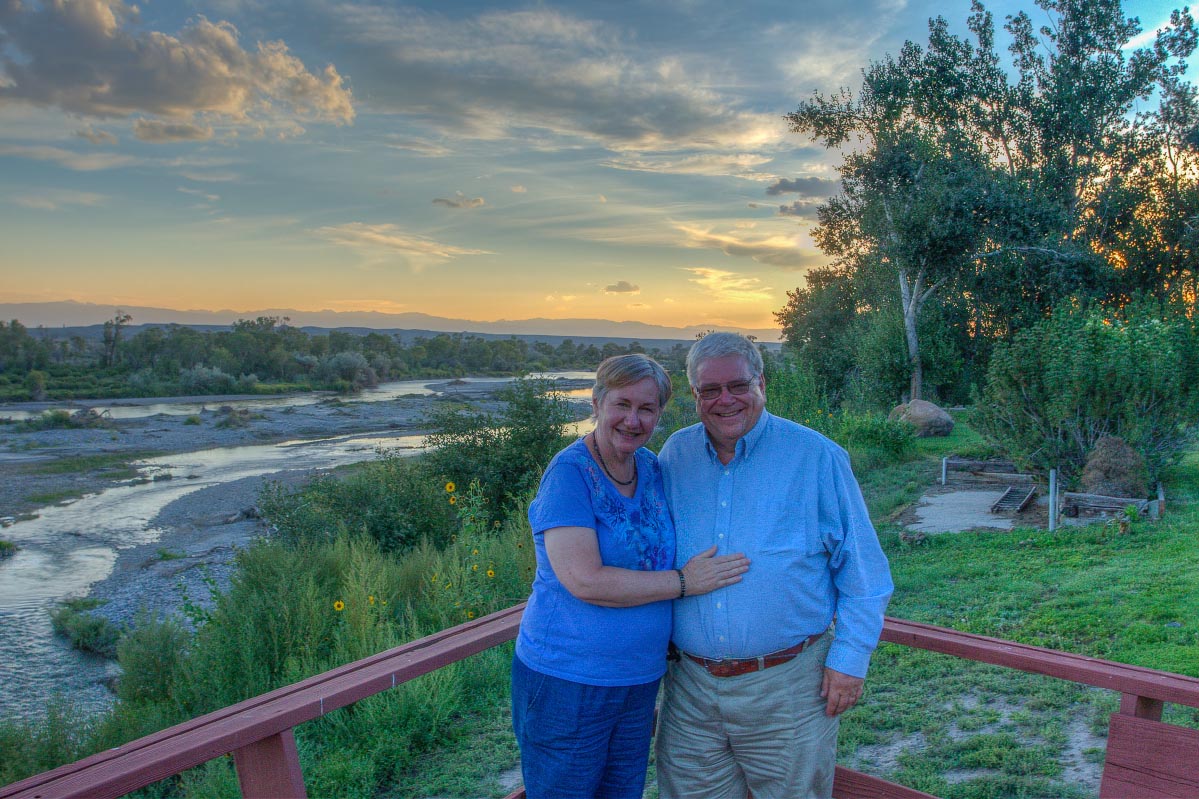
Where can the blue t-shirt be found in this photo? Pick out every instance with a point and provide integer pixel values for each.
(565, 637)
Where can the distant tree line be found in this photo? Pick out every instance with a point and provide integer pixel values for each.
(265, 355)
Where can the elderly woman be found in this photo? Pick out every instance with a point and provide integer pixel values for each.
(592, 643)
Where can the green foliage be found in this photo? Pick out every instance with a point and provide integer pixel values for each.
(59, 737)
(872, 439)
(1087, 373)
(397, 501)
(7, 549)
(85, 631)
(505, 453)
(151, 655)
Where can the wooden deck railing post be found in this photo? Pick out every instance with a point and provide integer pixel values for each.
(270, 768)
(1142, 707)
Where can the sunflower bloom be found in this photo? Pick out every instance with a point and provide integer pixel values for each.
(491, 572)
(339, 606)
(453, 500)
(450, 487)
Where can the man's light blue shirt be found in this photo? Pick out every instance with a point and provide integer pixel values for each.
(790, 502)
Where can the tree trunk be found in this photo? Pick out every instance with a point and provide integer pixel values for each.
(912, 300)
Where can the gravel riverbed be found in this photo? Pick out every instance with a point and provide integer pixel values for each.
(202, 530)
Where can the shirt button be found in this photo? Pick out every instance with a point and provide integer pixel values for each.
(724, 504)
(721, 638)
(720, 535)
(718, 606)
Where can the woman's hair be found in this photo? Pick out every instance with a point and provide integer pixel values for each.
(625, 370)
(718, 345)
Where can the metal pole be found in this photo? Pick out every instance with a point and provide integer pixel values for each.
(1052, 500)
(944, 468)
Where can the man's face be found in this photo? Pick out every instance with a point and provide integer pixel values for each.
(727, 415)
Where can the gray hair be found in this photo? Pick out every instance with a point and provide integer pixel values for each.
(719, 345)
(625, 370)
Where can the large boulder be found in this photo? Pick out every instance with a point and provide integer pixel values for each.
(928, 419)
(1114, 469)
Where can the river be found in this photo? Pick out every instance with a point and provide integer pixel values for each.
(68, 548)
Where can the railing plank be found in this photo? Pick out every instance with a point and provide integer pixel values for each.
(1119, 677)
(849, 784)
(119, 771)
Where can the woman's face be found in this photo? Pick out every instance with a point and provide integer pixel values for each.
(626, 418)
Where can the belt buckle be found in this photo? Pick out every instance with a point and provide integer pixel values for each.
(761, 662)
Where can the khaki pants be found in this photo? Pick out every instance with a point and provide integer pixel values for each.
(766, 732)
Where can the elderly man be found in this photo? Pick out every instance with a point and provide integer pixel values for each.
(753, 699)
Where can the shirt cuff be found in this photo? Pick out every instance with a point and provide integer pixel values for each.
(843, 658)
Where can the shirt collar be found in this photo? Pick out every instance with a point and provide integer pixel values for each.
(746, 444)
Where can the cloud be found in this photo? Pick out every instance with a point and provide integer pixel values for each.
(804, 208)
(735, 164)
(731, 287)
(423, 147)
(212, 198)
(506, 74)
(389, 240)
(157, 131)
(460, 200)
(623, 287)
(812, 187)
(80, 162)
(518, 189)
(56, 200)
(96, 136)
(777, 250)
(88, 58)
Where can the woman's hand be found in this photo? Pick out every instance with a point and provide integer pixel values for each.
(708, 571)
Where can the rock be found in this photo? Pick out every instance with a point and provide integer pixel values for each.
(928, 419)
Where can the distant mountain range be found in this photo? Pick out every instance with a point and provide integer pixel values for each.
(79, 314)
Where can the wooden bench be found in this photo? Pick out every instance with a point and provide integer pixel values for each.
(1145, 757)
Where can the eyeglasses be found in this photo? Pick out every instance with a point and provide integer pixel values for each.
(736, 388)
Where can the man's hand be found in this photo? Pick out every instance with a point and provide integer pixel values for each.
(841, 691)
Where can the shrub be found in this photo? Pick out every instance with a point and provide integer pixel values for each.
(205, 380)
(397, 501)
(872, 439)
(7, 549)
(1086, 373)
(85, 631)
(151, 655)
(505, 453)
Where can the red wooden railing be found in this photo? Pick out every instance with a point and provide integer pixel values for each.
(1145, 757)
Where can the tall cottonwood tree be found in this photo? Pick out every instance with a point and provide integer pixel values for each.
(1014, 193)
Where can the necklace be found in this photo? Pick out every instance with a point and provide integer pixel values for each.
(604, 466)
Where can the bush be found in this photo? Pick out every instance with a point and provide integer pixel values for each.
(203, 380)
(7, 549)
(396, 501)
(505, 453)
(1086, 373)
(84, 630)
(872, 439)
(151, 656)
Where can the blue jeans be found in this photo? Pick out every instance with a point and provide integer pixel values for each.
(581, 741)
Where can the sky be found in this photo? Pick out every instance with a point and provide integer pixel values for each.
(616, 159)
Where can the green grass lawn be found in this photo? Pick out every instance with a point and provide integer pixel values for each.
(965, 730)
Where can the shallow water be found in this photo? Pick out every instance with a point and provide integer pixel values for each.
(129, 409)
(68, 548)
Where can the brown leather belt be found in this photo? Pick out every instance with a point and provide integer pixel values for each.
(734, 667)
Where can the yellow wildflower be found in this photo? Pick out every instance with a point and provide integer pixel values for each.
(339, 606)
(470, 614)
(491, 572)
(453, 500)
(450, 487)
(371, 599)
(474, 567)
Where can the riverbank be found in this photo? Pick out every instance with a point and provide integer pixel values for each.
(198, 534)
